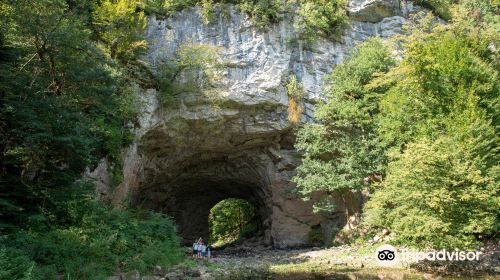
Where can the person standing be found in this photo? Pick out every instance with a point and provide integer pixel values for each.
(209, 251)
(203, 251)
(195, 249)
(200, 244)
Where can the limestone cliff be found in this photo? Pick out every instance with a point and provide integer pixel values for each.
(191, 155)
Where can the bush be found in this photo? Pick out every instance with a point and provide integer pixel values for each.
(326, 18)
(103, 242)
(433, 197)
(121, 27)
(439, 7)
(14, 264)
(438, 121)
(314, 17)
(340, 150)
(263, 12)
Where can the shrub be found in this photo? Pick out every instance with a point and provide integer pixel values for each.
(340, 150)
(434, 197)
(325, 18)
(439, 7)
(102, 242)
(14, 264)
(314, 17)
(121, 27)
(438, 120)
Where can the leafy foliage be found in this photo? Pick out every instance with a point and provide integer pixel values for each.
(14, 264)
(100, 242)
(121, 27)
(62, 109)
(422, 132)
(434, 196)
(232, 219)
(326, 18)
(439, 7)
(440, 114)
(64, 105)
(340, 151)
(263, 12)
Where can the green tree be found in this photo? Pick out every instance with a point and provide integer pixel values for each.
(121, 27)
(435, 196)
(63, 107)
(61, 110)
(340, 151)
(439, 119)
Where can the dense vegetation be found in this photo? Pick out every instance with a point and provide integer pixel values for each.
(231, 220)
(312, 18)
(420, 132)
(67, 94)
(97, 243)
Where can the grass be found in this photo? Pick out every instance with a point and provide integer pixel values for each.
(211, 267)
(367, 249)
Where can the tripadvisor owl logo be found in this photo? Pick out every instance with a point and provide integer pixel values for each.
(386, 255)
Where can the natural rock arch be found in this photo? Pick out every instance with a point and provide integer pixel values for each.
(189, 197)
(183, 167)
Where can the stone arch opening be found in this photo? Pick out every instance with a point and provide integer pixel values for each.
(188, 161)
(192, 200)
(200, 183)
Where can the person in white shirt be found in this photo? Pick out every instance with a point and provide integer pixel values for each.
(203, 250)
(200, 244)
(195, 249)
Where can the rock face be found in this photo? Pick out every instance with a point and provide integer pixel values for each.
(189, 156)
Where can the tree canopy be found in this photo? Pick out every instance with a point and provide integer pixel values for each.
(420, 132)
(67, 99)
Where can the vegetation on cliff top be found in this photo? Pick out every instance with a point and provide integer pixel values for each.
(312, 18)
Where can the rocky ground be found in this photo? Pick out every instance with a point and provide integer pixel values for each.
(252, 261)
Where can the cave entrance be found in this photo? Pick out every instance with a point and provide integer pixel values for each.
(190, 199)
(232, 220)
(190, 158)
